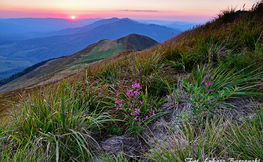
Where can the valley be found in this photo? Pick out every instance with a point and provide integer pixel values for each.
(48, 45)
(11, 66)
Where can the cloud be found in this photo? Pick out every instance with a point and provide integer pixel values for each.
(140, 10)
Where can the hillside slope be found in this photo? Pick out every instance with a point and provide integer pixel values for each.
(55, 69)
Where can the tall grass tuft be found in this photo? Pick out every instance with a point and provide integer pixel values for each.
(191, 143)
(209, 88)
(57, 122)
(245, 139)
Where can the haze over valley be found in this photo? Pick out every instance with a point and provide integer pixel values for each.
(27, 41)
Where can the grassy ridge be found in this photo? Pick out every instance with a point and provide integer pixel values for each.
(201, 70)
(55, 69)
(99, 53)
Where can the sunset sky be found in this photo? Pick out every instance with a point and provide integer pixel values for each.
(172, 10)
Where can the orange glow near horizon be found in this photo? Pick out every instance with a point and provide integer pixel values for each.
(190, 10)
(133, 14)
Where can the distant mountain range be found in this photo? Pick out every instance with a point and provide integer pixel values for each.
(178, 25)
(43, 48)
(19, 54)
(24, 28)
(55, 69)
(83, 29)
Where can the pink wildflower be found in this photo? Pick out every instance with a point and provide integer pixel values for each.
(154, 114)
(212, 77)
(117, 108)
(135, 118)
(208, 83)
(203, 80)
(136, 93)
(206, 76)
(137, 111)
(141, 102)
(136, 85)
(120, 105)
(146, 117)
(129, 93)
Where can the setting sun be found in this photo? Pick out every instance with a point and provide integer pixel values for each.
(73, 17)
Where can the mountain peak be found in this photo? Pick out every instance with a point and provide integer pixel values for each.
(113, 18)
(128, 20)
(136, 42)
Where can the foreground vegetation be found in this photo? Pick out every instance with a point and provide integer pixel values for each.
(203, 73)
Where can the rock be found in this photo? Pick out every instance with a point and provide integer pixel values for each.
(113, 144)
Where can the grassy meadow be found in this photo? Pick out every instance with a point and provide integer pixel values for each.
(196, 96)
